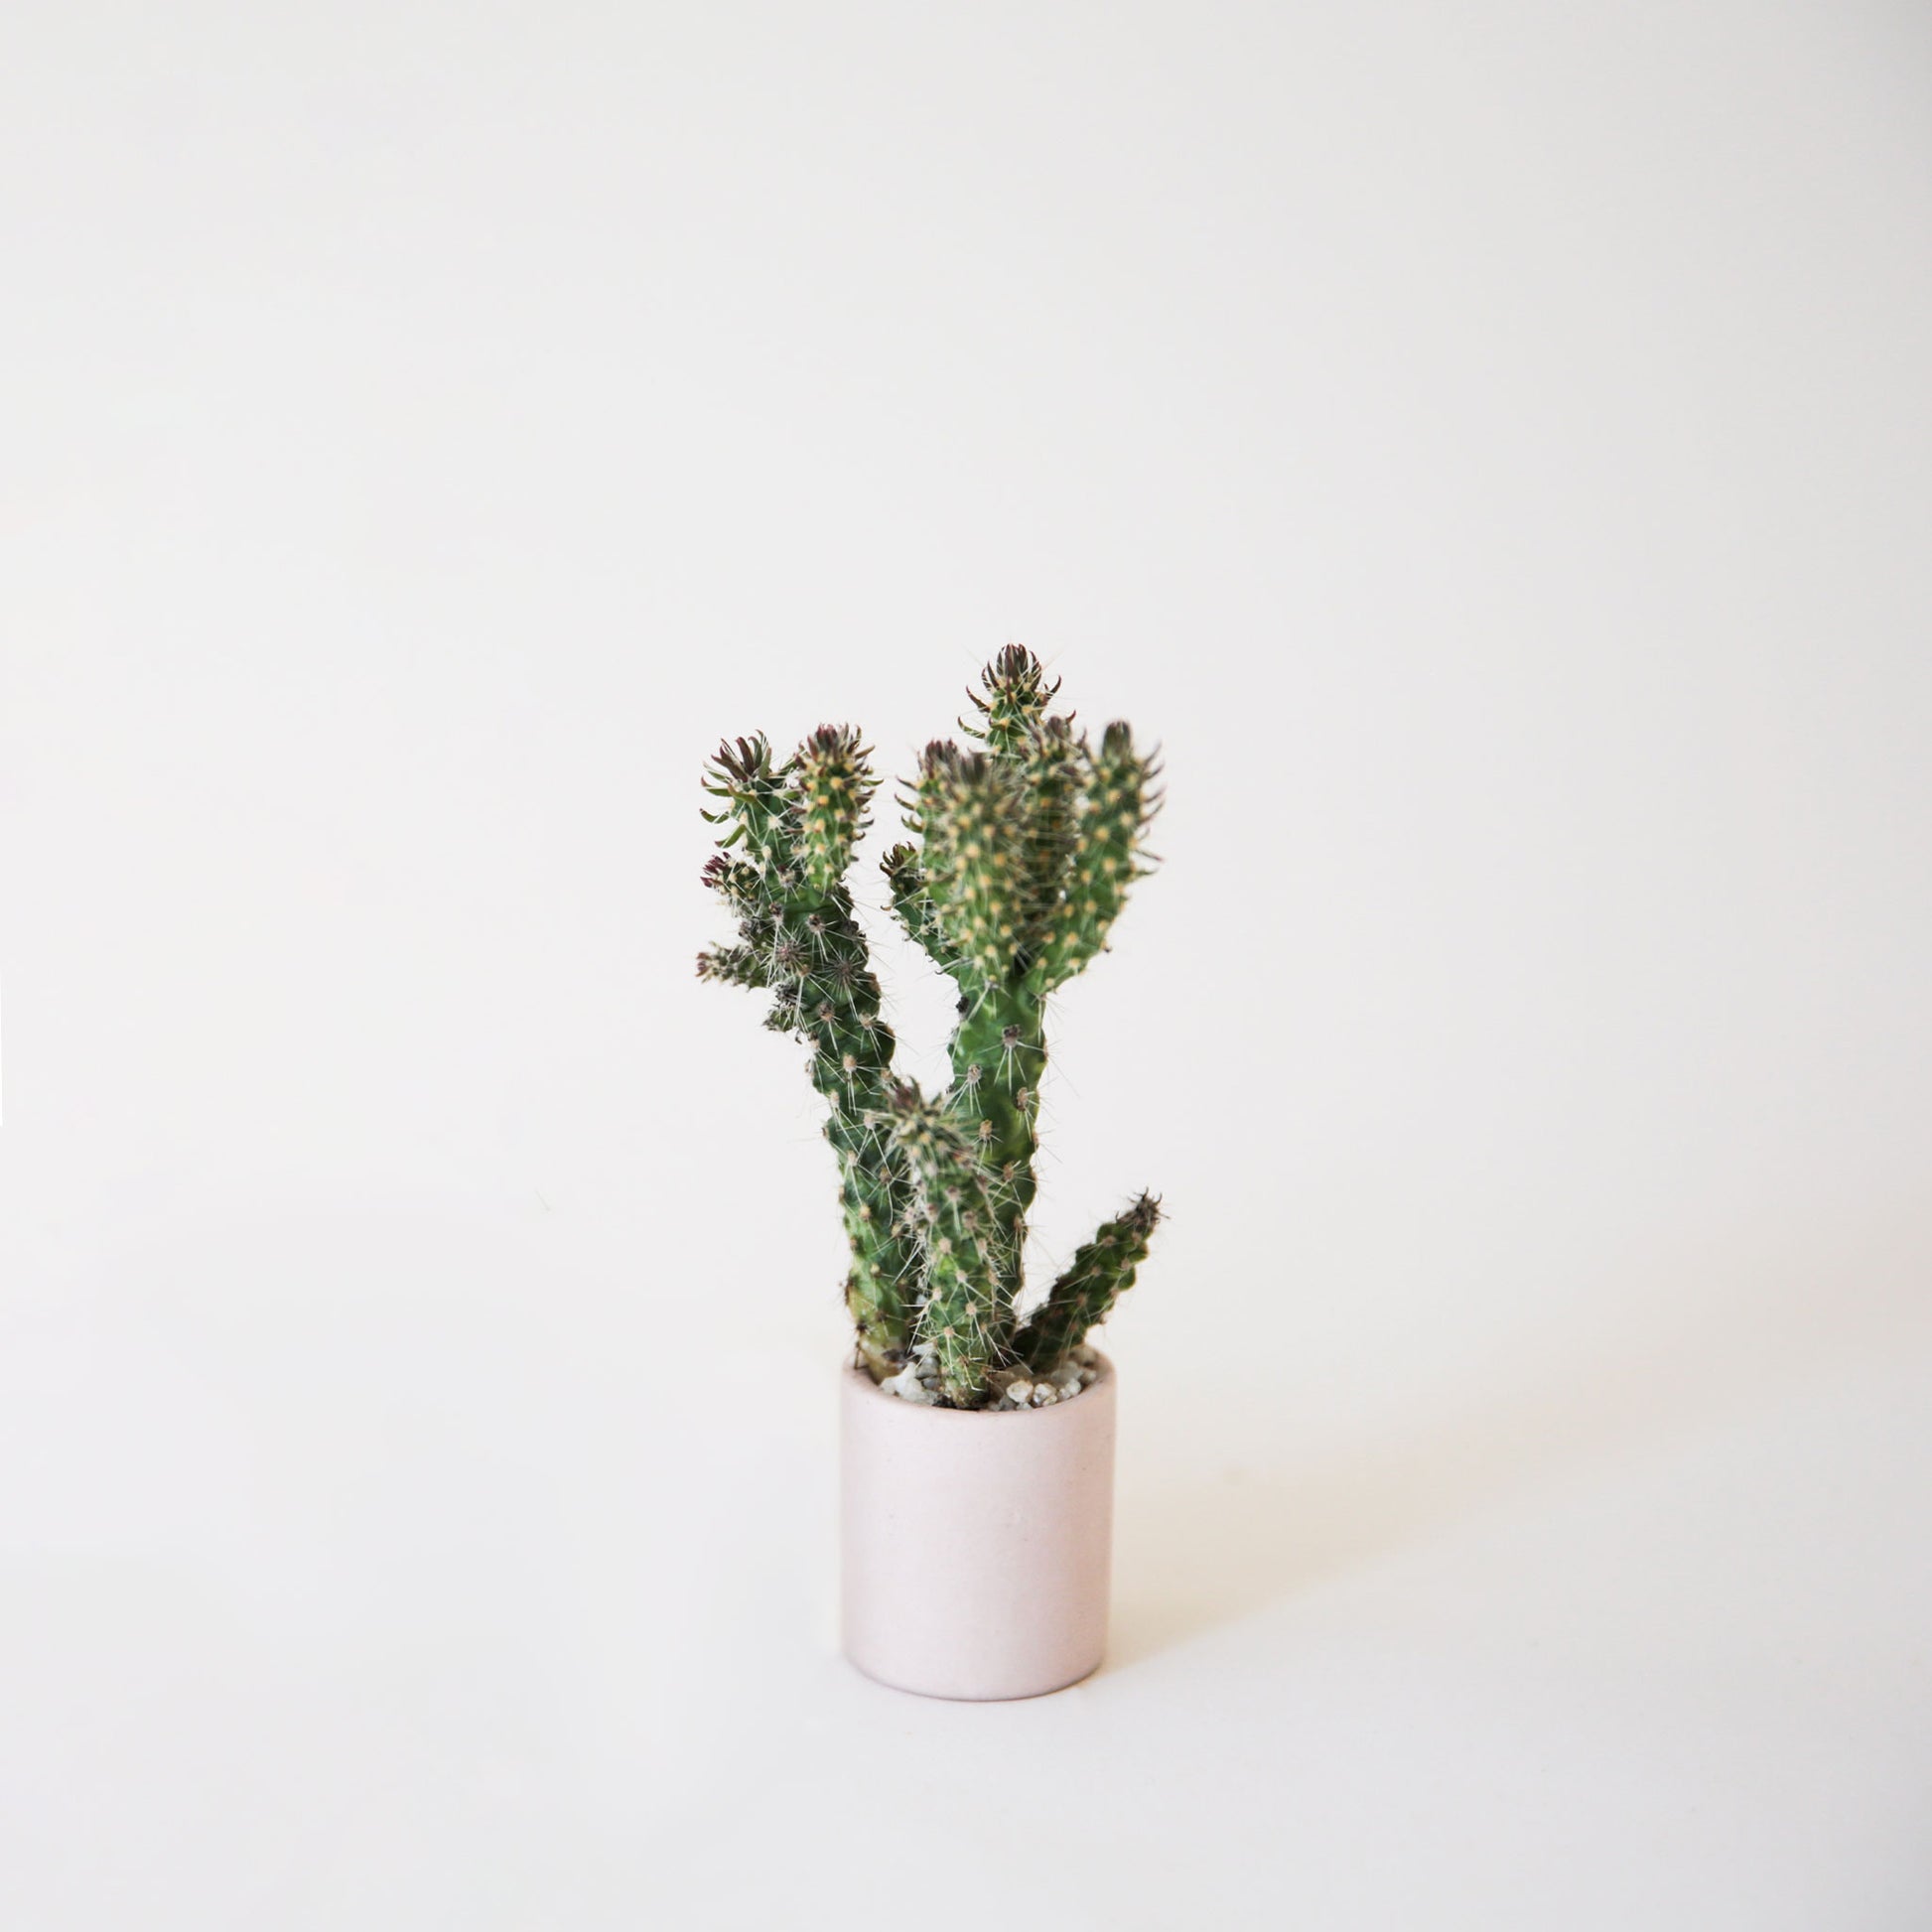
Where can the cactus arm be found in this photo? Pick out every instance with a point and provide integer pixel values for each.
(1099, 1274)
(832, 785)
(912, 903)
(852, 1046)
(756, 803)
(971, 818)
(966, 1316)
(1051, 768)
(1115, 807)
(795, 827)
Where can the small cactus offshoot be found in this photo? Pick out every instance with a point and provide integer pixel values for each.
(1024, 850)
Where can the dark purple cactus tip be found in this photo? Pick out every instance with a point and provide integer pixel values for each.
(1017, 695)
(833, 744)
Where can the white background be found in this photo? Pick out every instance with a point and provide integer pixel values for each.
(1490, 447)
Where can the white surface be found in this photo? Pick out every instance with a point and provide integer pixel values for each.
(1488, 446)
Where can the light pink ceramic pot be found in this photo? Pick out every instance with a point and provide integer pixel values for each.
(976, 1547)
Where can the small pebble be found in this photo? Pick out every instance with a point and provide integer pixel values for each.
(908, 1387)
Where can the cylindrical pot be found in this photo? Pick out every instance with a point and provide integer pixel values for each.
(976, 1546)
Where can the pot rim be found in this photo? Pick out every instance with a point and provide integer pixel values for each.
(1102, 1362)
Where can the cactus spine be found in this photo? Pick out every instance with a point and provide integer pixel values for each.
(1026, 849)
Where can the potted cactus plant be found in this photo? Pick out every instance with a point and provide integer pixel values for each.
(978, 1429)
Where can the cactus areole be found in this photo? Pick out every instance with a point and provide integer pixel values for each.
(1024, 849)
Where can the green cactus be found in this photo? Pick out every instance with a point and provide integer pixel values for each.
(1026, 850)
(1100, 1274)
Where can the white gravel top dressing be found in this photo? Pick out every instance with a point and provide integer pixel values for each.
(1013, 1388)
